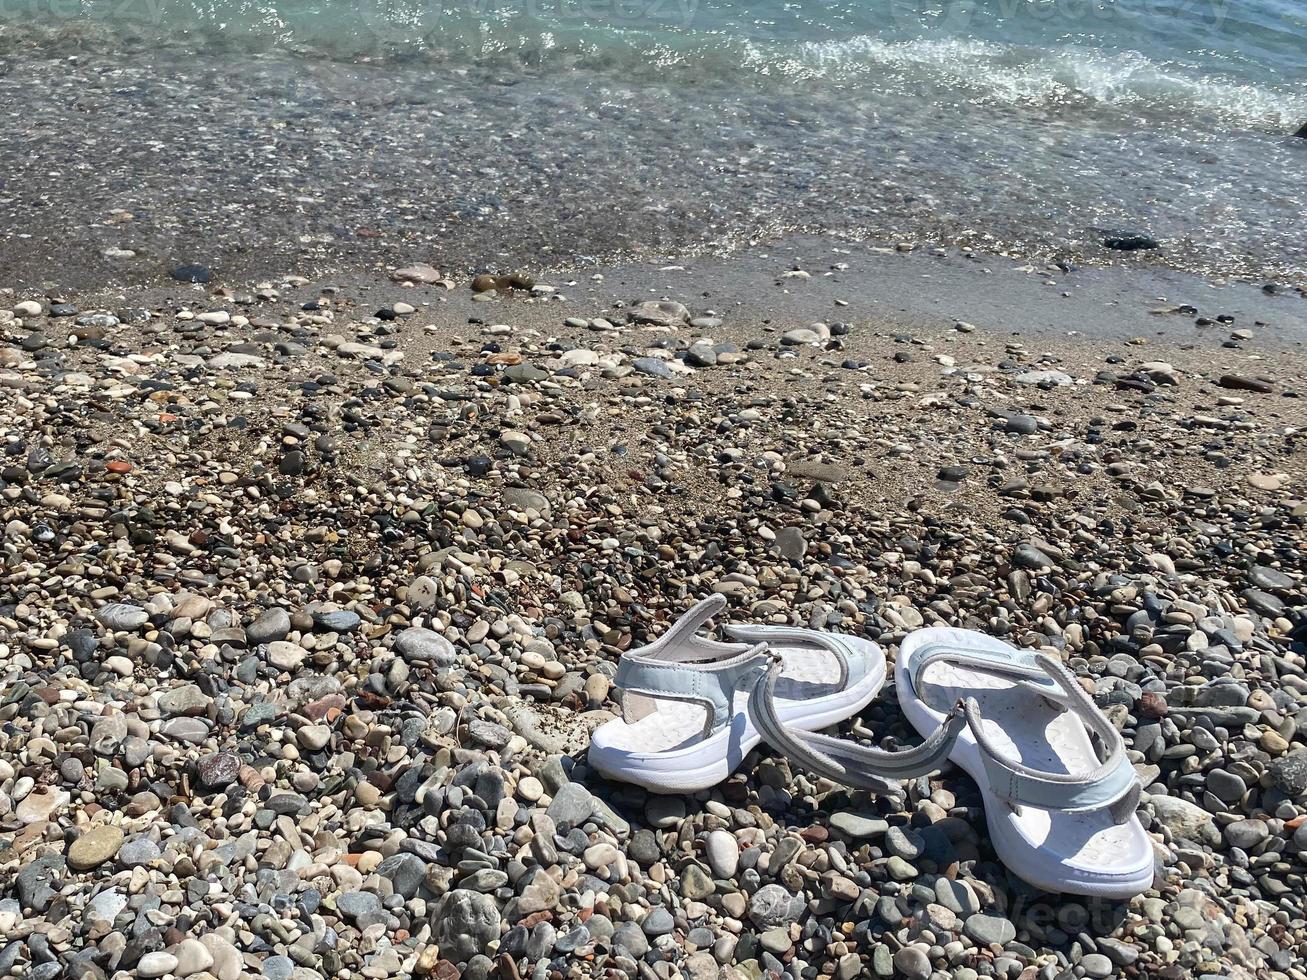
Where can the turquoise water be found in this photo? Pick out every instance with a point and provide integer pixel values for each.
(1246, 59)
(584, 128)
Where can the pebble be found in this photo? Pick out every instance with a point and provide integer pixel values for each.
(1096, 965)
(913, 963)
(99, 844)
(121, 616)
(771, 906)
(571, 805)
(156, 964)
(723, 853)
(658, 922)
(272, 624)
(858, 826)
(424, 645)
(989, 930)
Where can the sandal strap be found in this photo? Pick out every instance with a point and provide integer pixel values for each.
(853, 667)
(712, 685)
(1112, 784)
(838, 759)
(681, 665)
(1009, 662)
(682, 642)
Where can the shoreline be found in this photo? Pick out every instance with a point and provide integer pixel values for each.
(813, 276)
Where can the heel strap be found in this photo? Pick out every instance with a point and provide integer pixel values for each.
(843, 761)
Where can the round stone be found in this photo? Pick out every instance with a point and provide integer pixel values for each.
(423, 645)
(272, 624)
(1096, 965)
(665, 811)
(96, 846)
(913, 963)
(695, 884)
(314, 737)
(219, 769)
(772, 906)
(1247, 834)
(658, 922)
(422, 592)
(600, 855)
(156, 964)
(989, 930)
(722, 852)
(192, 957)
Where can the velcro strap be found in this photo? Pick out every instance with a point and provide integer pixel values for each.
(1048, 792)
(712, 685)
(1108, 785)
(1007, 661)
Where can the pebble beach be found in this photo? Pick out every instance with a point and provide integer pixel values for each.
(312, 590)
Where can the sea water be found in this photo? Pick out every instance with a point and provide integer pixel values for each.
(557, 130)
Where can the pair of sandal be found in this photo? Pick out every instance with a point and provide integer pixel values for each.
(1060, 794)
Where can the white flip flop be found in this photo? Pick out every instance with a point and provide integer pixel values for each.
(685, 724)
(1060, 794)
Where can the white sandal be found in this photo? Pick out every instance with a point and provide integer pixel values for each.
(684, 698)
(1060, 794)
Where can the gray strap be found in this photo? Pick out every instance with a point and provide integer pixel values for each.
(1112, 784)
(712, 685)
(1018, 665)
(682, 642)
(843, 761)
(681, 665)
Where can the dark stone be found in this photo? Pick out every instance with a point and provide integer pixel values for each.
(364, 908)
(631, 937)
(34, 881)
(1289, 773)
(336, 620)
(1129, 240)
(572, 940)
(272, 624)
(192, 273)
(644, 847)
(287, 804)
(1028, 556)
(658, 922)
(1239, 383)
(82, 643)
(1264, 602)
(291, 464)
(1025, 425)
(464, 922)
(405, 871)
(652, 366)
